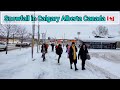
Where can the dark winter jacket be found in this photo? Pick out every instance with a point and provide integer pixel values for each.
(52, 45)
(43, 49)
(59, 50)
(66, 45)
(82, 54)
(71, 54)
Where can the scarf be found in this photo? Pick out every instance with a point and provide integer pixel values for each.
(74, 53)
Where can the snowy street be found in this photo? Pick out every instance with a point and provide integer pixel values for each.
(17, 64)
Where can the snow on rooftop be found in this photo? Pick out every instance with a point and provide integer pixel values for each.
(100, 39)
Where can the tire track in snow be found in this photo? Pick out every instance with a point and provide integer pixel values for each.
(106, 73)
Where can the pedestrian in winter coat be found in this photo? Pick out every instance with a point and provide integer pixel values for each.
(83, 55)
(66, 47)
(68, 50)
(52, 45)
(59, 52)
(56, 48)
(73, 55)
(46, 46)
(43, 51)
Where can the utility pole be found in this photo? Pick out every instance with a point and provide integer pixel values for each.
(78, 33)
(7, 40)
(38, 44)
(42, 37)
(45, 35)
(13, 38)
(64, 38)
(33, 32)
(39, 34)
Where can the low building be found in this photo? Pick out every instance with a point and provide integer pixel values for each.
(11, 40)
(102, 43)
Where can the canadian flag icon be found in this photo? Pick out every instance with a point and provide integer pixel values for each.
(110, 18)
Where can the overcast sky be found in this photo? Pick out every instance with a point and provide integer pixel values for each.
(71, 30)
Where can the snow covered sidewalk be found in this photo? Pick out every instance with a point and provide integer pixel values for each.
(18, 64)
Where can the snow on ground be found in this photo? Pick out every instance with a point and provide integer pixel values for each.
(18, 64)
(110, 69)
(106, 54)
(107, 60)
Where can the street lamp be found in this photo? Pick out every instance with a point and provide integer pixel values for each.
(78, 33)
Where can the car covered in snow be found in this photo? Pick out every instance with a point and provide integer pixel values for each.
(2, 46)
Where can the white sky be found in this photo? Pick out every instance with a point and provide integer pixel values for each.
(71, 30)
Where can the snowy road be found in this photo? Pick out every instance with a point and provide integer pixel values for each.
(10, 47)
(19, 65)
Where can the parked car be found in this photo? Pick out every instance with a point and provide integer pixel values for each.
(24, 44)
(2, 46)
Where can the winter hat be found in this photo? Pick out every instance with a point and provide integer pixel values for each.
(73, 42)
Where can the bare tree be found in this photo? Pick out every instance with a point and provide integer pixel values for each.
(28, 35)
(2, 33)
(94, 33)
(13, 31)
(6, 32)
(11, 28)
(100, 31)
(22, 33)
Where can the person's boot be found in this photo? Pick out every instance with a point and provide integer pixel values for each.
(83, 68)
(75, 67)
(58, 61)
(71, 67)
(43, 58)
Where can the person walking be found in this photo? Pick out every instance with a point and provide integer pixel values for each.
(73, 55)
(83, 55)
(43, 51)
(46, 47)
(66, 47)
(68, 50)
(59, 52)
(52, 45)
(56, 48)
